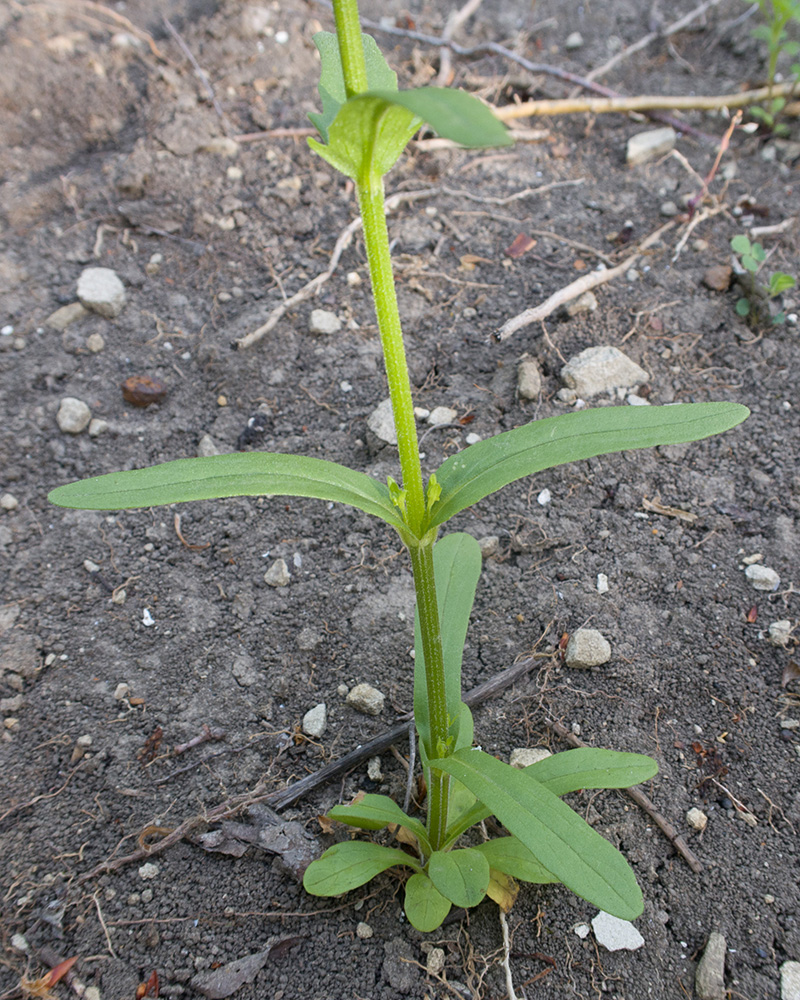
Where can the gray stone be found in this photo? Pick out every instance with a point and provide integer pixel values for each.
(601, 369)
(441, 415)
(97, 426)
(762, 577)
(366, 699)
(95, 342)
(615, 934)
(308, 639)
(525, 756)
(278, 574)
(489, 545)
(100, 290)
(529, 379)
(207, 446)
(697, 819)
(380, 424)
(315, 721)
(779, 632)
(399, 969)
(646, 146)
(586, 303)
(668, 209)
(8, 502)
(574, 41)
(324, 322)
(73, 415)
(709, 979)
(790, 981)
(587, 648)
(61, 318)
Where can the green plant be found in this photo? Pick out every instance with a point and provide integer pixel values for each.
(777, 14)
(753, 305)
(364, 125)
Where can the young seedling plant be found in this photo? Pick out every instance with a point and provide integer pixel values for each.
(364, 126)
(753, 305)
(777, 15)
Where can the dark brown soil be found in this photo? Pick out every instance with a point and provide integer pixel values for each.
(102, 165)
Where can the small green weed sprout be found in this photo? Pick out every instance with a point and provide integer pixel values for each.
(364, 126)
(777, 15)
(755, 305)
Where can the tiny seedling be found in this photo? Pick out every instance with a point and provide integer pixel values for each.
(753, 305)
(777, 15)
(364, 126)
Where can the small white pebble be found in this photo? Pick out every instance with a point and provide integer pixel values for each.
(121, 691)
(364, 931)
(6, 331)
(544, 498)
(147, 618)
(281, 37)
(602, 583)
(473, 438)
(148, 870)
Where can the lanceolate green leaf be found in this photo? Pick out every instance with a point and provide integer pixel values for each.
(511, 856)
(452, 114)
(243, 474)
(462, 876)
(487, 466)
(561, 841)
(588, 768)
(348, 865)
(456, 567)
(425, 906)
(374, 812)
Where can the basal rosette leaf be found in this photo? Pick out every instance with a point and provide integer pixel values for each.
(425, 906)
(558, 838)
(461, 876)
(350, 864)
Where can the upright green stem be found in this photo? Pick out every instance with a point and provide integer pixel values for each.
(369, 189)
(351, 48)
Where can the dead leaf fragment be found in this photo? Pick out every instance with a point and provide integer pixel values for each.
(503, 889)
(522, 244)
(656, 507)
(229, 978)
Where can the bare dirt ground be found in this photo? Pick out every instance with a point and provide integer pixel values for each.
(125, 634)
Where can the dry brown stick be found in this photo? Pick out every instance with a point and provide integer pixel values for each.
(651, 102)
(673, 29)
(454, 21)
(644, 803)
(577, 287)
(342, 243)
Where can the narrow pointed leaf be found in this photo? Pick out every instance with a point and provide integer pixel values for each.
(462, 876)
(589, 768)
(456, 567)
(425, 906)
(350, 864)
(374, 812)
(511, 856)
(563, 842)
(243, 474)
(485, 467)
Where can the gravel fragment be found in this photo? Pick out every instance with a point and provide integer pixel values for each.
(601, 369)
(100, 289)
(574, 41)
(8, 502)
(790, 981)
(586, 303)
(648, 145)
(529, 379)
(697, 819)
(435, 962)
(315, 721)
(779, 632)
(364, 931)
(709, 979)
(762, 577)
(278, 574)
(441, 415)
(73, 415)
(324, 322)
(366, 699)
(602, 583)
(380, 425)
(95, 342)
(489, 545)
(97, 426)
(61, 318)
(615, 934)
(148, 870)
(587, 648)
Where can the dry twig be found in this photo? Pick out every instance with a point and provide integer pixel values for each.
(454, 21)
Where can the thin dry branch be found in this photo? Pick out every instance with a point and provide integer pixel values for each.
(653, 102)
(454, 21)
(674, 28)
(583, 284)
